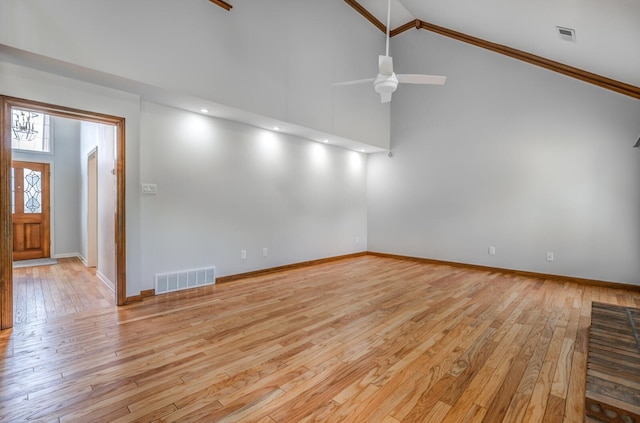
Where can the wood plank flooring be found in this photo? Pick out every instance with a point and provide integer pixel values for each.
(366, 339)
(43, 292)
(613, 364)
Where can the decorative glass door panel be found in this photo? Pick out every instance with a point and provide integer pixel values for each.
(30, 206)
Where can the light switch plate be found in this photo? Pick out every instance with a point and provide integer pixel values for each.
(149, 189)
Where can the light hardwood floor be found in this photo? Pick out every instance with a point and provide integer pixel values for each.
(43, 292)
(366, 339)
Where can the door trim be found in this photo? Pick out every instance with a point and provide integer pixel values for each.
(6, 236)
(92, 208)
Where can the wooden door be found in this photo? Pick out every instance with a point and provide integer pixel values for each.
(30, 208)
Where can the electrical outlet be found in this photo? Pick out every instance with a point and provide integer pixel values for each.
(243, 254)
(265, 252)
(492, 250)
(549, 256)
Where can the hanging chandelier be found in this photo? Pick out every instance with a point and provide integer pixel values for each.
(23, 125)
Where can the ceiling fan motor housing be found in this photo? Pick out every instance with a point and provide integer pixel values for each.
(385, 84)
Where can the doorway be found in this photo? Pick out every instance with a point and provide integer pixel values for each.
(30, 207)
(6, 224)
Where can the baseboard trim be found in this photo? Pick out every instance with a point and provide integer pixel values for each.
(148, 293)
(230, 278)
(224, 279)
(143, 294)
(105, 280)
(583, 281)
(133, 299)
(83, 260)
(68, 255)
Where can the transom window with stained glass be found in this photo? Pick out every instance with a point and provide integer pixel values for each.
(30, 131)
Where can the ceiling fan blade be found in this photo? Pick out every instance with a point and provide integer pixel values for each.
(357, 81)
(421, 79)
(385, 65)
(385, 97)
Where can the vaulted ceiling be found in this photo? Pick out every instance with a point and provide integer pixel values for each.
(605, 51)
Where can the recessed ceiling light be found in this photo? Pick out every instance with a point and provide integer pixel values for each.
(204, 110)
(276, 128)
(325, 141)
(362, 150)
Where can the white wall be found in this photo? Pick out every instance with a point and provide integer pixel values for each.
(225, 187)
(65, 185)
(100, 138)
(275, 58)
(507, 155)
(233, 187)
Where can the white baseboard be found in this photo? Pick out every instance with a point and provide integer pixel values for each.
(67, 255)
(105, 280)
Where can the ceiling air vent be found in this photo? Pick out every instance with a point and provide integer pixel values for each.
(566, 34)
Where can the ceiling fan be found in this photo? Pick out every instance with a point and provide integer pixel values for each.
(387, 80)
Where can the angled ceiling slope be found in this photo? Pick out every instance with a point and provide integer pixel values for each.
(372, 9)
(588, 56)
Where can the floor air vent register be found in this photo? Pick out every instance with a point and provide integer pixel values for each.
(177, 281)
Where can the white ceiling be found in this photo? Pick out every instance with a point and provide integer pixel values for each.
(607, 32)
(608, 44)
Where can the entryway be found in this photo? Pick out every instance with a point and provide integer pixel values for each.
(31, 240)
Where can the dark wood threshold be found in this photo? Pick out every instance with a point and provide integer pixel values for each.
(583, 281)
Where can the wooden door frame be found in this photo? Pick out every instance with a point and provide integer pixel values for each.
(92, 208)
(6, 246)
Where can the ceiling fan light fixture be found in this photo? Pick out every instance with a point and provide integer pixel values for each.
(385, 84)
